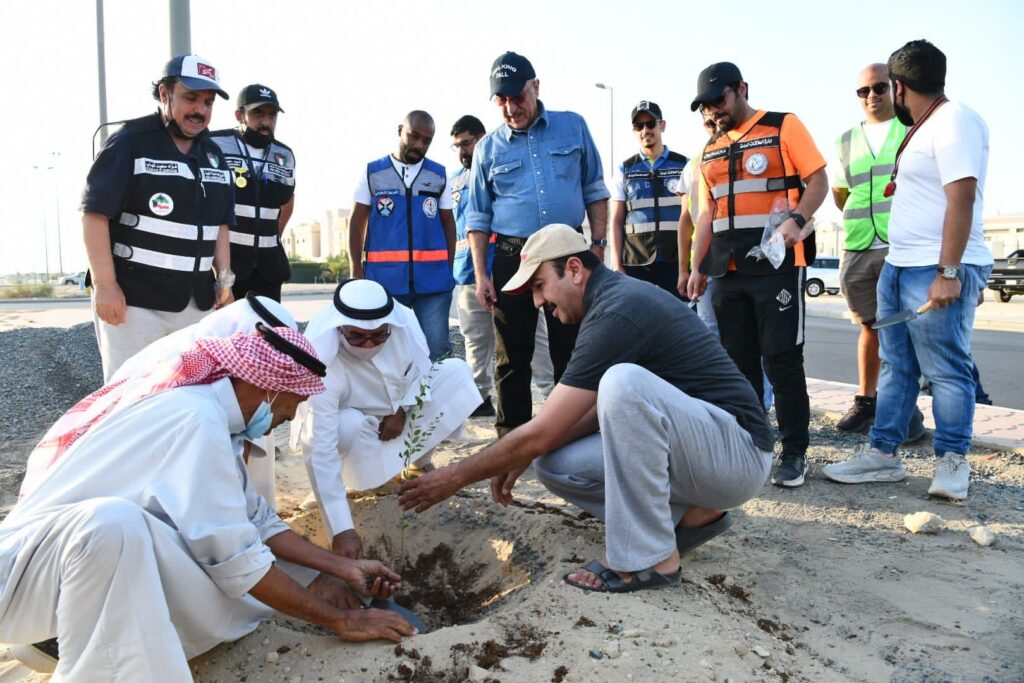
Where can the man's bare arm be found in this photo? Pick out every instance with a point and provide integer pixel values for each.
(617, 236)
(956, 231)
(840, 195)
(684, 243)
(108, 298)
(448, 224)
(286, 215)
(597, 215)
(357, 223)
(479, 246)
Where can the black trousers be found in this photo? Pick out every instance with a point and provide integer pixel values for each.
(515, 327)
(664, 274)
(763, 315)
(256, 283)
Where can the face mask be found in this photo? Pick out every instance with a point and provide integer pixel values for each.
(260, 422)
(360, 352)
(256, 139)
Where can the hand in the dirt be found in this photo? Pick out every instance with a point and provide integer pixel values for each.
(348, 544)
(428, 489)
(334, 592)
(501, 486)
(372, 624)
(369, 577)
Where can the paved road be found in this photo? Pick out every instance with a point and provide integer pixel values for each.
(830, 353)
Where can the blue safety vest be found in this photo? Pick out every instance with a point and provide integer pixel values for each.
(462, 267)
(652, 208)
(405, 248)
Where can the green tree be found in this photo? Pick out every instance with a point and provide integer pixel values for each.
(337, 267)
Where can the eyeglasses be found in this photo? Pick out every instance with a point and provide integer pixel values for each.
(517, 100)
(464, 144)
(360, 338)
(877, 88)
(649, 124)
(717, 102)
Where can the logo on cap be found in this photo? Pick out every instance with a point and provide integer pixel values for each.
(265, 92)
(206, 70)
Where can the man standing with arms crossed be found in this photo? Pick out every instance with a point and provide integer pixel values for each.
(647, 195)
(402, 232)
(937, 256)
(155, 214)
(263, 172)
(539, 167)
(757, 160)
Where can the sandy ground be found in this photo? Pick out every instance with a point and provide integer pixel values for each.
(817, 583)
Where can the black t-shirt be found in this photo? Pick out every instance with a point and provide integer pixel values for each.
(631, 321)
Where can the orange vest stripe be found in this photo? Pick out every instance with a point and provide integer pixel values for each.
(403, 256)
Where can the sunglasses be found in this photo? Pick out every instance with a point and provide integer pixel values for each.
(463, 144)
(649, 124)
(717, 102)
(877, 88)
(517, 100)
(360, 338)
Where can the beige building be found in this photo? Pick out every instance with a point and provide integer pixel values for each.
(325, 236)
(1004, 234)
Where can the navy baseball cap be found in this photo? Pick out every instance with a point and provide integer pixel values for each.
(257, 94)
(712, 82)
(195, 73)
(646, 106)
(510, 73)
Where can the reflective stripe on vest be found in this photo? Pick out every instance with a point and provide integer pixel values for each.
(159, 226)
(652, 208)
(866, 212)
(246, 211)
(246, 239)
(156, 259)
(403, 256)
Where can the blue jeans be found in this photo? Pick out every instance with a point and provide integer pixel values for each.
(937, 345)
(432, 314)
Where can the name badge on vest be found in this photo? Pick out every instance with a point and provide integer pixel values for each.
(757, 164)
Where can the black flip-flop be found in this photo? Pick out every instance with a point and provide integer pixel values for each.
(689, 538)
(408, 614)
(613, 583)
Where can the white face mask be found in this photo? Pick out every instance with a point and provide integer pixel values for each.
(360, 352)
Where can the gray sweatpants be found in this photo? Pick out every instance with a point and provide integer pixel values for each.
(659, 451)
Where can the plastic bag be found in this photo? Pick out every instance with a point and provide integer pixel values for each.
(773, 244)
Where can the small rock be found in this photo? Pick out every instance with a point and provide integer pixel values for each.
(266, 641)
(761, 652)
(633, 633)
(740, 649)
(663, 642)
(287, 669)
(596, 654)
(272, 657)
(924, 523)
(610, 649)
(982, 535)
(295, 679)
(477, 673)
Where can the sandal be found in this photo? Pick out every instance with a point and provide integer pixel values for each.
(613, 583)
(689, 538)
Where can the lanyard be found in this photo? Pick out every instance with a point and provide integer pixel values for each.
(890, 189)
(243, 147)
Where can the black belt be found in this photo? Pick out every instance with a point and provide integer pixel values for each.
(520, 241)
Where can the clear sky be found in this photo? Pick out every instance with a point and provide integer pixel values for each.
(347, 73)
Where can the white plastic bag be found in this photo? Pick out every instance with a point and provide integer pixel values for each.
(773, 244)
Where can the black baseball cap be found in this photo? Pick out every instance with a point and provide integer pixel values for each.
(195, 73)
(646, 106)
(712, 82)
(256, 94)
(510, 74)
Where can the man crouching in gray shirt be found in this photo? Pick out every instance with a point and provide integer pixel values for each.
(682, 436)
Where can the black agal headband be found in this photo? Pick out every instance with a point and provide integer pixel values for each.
(306, 360)
(362, 313)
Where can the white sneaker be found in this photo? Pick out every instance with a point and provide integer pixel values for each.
(867, 464)
(952, 477)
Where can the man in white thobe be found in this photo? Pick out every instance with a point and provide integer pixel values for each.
(143, 543)
(362, 431)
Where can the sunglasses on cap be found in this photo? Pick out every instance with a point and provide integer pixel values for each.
(877, 88)
(649, 124)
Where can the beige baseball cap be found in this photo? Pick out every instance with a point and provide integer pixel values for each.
(548, 243)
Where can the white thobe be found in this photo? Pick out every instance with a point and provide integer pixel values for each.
(138, 549)
(337, 430)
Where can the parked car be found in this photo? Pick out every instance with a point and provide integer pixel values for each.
(823, 276)
(1007, 276)
(77, 279)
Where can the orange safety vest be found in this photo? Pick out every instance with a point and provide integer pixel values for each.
(744, 177)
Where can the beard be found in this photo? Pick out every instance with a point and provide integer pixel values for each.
(257, 138)
(903, 114)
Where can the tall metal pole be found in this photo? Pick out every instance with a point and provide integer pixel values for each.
(611, 119)
(101, 63)
(181, 23)
(56, 205)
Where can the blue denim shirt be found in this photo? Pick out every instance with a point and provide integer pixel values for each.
(521, 182)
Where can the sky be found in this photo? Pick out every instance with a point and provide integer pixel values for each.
(347, 73)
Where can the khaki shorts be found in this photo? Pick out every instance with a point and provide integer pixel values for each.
(858, 281)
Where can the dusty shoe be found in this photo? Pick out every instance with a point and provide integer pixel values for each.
(790, 473)
(952, 477)
(867, 464)
(860, 415)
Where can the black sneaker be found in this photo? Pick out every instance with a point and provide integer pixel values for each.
(916, 430)
(860, 415)
(791, 471)
(485, 409)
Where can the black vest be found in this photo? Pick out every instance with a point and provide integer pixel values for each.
(269, 184)
(163, 241)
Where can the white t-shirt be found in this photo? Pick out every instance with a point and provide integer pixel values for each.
(951, 145)
(875, 134)
(408, 173)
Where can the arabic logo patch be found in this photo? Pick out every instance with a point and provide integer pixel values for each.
(430, 207)
(161, 204)
(756, 164)
(385, 205)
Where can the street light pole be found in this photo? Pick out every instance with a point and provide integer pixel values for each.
(46, 244)
(611, 119)
(56, 206)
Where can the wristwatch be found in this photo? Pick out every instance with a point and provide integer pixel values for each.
(798, 219)
(599, 243)
(948, 272)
